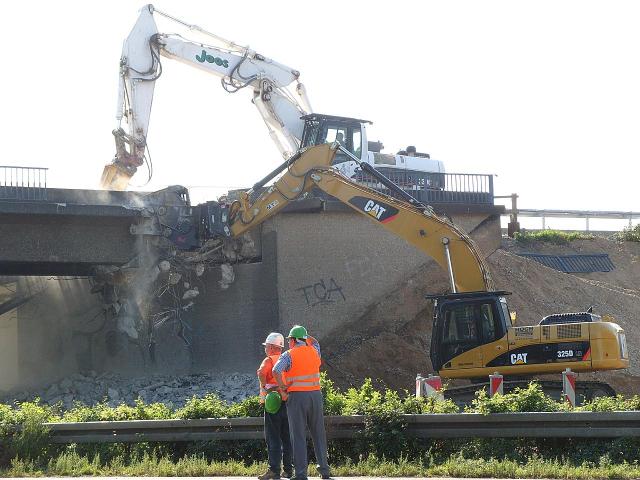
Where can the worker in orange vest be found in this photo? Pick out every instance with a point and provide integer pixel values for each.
(276, 425)
(301, 389)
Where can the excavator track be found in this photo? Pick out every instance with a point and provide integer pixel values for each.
(585, 391)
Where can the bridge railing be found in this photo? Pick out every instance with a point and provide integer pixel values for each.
(23, 183)
(430, 187)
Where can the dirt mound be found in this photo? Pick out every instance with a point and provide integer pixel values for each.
(390, 342)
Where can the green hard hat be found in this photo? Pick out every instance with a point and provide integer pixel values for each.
(272, 402)
(298, 331)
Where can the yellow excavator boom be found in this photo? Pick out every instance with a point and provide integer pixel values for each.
(473, 335)
(435, 236)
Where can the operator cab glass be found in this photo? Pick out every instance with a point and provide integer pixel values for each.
(462, 324)
(319, 129)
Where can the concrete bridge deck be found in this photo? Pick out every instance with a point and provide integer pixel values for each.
(71, 231)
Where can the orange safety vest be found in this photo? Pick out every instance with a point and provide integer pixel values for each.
(304, 374)
(270, 380)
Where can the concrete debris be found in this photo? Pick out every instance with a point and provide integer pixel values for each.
(113, 394)
(116, 389)
(229, 251)
(164, 266)
(189, 294)
(199, 269)
(153, 273)
(127, 325)
(248, 247)
(228, 276)
(188, 306)
(174, 278)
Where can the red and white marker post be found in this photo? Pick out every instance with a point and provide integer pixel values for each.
(419, 382)
(496, 384)
(430, 386)
(569, 386)
(433, 387)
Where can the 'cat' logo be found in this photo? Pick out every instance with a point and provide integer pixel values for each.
(374, 209)
(380, 211)
(518, 358)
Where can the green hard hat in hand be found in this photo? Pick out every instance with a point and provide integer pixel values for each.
(272, 402)
(298, 331)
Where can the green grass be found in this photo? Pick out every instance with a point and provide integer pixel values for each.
(71, 464)
(556, 237)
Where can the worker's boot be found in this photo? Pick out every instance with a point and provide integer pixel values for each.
(269, 475)
(287, 474)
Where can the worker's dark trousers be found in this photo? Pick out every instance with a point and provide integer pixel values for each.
(276, 433)
(305, 410)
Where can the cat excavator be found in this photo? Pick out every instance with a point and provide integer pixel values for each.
(473, 331)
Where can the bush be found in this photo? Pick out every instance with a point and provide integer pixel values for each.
(629, 234)
(530, 399)
(249, 407)
(384, 435)
(209, 406)
(552, 236)
(611, 404)
(334, 401)
(23, 432)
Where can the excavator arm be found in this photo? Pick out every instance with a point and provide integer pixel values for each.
(438, 238)
(277, 93)
(473, 335)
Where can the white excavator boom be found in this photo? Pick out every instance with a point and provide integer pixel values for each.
(270, 82)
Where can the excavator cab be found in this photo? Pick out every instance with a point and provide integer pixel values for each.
(473, 336)
(464, 322)
(349, 132)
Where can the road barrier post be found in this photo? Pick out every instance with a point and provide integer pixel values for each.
(569, 386)
(495, 384)
(433, 387)
(430, 386)
(419, 385)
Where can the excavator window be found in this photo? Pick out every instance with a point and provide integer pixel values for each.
(345, 136)
(337, 135)
(357, 143)
(328, 130)
(488, 323)
(460, 330)
(467, 325)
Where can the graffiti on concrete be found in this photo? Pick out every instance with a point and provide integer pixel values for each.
(322, 292)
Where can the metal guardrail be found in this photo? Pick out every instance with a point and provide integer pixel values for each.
(23, 183)
(514, 213)
(437, 187)
(586, 214)
(464, 425)
(620, 215)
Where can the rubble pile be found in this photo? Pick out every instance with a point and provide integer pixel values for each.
(114, 389)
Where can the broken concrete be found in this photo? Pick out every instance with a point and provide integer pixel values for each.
(115, 389)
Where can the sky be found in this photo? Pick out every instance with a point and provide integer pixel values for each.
(543, 94)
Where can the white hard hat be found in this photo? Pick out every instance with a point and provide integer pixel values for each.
(274, 338)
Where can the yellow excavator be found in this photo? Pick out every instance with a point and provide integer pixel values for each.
(473, 332)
